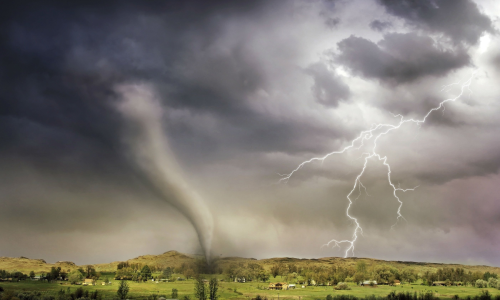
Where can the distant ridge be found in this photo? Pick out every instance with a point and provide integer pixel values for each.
(174, 258)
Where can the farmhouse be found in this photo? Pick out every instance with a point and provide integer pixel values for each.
(439, 283)
(89, 281)
(278, 286)
(368, 283)
(396, 282)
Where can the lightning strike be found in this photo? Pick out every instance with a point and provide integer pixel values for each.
(375, 132)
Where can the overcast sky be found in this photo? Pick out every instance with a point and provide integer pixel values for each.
(243, 91)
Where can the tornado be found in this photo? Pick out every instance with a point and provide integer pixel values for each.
(149, 151)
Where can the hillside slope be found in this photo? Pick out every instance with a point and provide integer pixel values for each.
(176, 259)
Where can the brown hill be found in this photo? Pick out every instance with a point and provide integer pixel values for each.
(167, 259)
(26, 265)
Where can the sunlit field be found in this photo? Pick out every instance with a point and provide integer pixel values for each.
(232, 290)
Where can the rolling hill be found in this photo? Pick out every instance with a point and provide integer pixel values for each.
(176, 259)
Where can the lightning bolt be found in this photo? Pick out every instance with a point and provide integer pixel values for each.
(375, 133)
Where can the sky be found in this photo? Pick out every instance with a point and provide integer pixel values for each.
(130, 128)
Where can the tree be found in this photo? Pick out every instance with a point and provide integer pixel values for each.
(123, 289)
(146, 272)
(358, 277)
(90, 271)
(54, 273)
(275, 270)
(213, 287)
(174, 294)
(188, 273)
(32, 274)
(75, 276)
(167, 272)
(361, 266)
(264, 276)
(200, 290)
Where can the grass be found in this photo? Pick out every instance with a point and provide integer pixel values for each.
(245, 291)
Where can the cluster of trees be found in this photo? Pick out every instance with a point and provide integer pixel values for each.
(54, 274)
(452, 276)
(138, 266)
(14, 275)
(492, 282)
(202, 292)
(128, 273)
(320, 274)
(251, 272)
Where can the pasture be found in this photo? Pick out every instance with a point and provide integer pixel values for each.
(244, 291)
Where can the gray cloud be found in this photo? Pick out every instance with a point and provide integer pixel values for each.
(399, 58)
(380, 26)
(466, 25)
(328, 89)
(249, 89)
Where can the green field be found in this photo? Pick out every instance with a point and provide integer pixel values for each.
(246, 291)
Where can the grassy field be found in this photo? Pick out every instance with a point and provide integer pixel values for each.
(245, 291)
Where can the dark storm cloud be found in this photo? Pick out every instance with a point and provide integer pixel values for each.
(328, 89)
(399, 58)
(466, 25)
(380, 26)
(244, 97)
(61, 62)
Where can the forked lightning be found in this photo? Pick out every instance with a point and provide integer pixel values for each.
(373, 134)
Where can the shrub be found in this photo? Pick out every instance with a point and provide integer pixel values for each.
(1, 289)
(342, 286)
(481, 284)
(492, 282)
(329, 297)
(345, 297)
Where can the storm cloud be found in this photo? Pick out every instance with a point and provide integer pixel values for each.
(466, 25)
(399, 58)
(246, 90)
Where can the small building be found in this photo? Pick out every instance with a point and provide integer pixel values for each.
(278, 286)
(439, 283)
(396, 282)
(291, 286)
(368, 283)
(89, 281)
